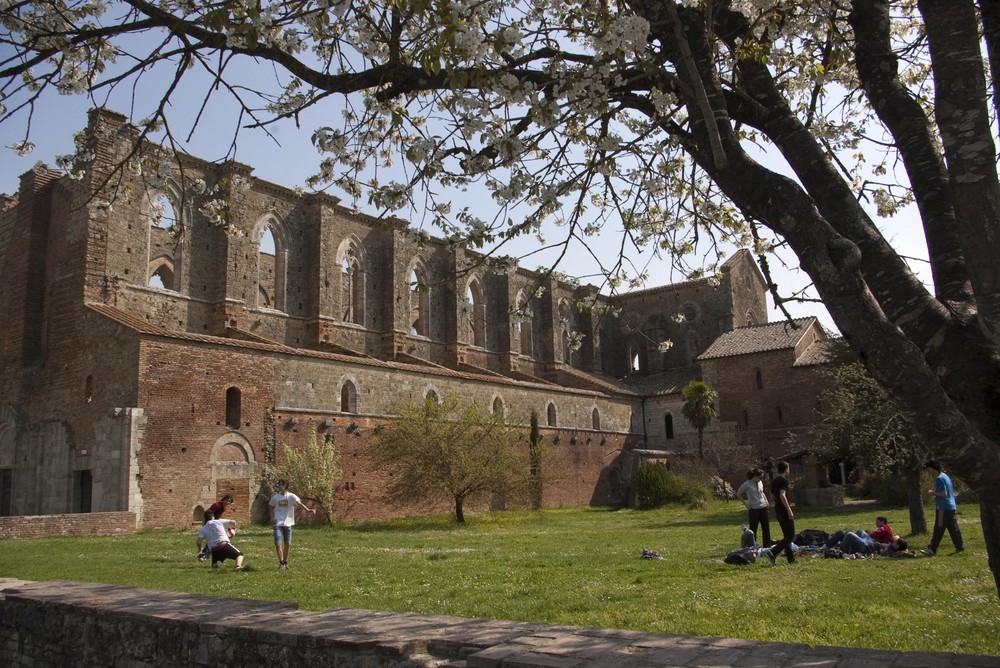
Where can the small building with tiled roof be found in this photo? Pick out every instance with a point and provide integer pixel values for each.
(769, 379)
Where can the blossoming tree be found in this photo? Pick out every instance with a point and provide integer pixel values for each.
(686, 123)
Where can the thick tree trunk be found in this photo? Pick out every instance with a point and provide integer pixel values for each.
(921, 349)
(989, 513)
(962, 116)
(915, 500)
(459, 513)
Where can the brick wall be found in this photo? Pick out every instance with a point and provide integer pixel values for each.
(784, 405)
(285, 399)
(76, 524)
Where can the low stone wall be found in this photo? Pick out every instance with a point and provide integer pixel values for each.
(84, 624)
(72, 524)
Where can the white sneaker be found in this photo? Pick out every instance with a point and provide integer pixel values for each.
(217, 564)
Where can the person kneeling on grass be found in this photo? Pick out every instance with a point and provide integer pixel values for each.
(216, 533)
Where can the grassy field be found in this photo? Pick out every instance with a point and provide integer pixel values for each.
(580, 567)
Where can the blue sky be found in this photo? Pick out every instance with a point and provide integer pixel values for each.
(288, 158)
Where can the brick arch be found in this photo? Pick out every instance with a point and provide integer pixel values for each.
(419, 318)
(523, 324)
(232, 463)
(232, 447)
(350, 385)
(163, 267)
(160, 246)
(475, 293)
(429, 391)
(279, 233)
(353, 291)
(497, 405)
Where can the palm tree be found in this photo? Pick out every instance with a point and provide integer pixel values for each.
(699, 409)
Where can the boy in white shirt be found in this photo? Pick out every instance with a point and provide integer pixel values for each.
(282, 519)
(216, 533)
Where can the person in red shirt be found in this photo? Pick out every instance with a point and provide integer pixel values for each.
(868, 542)
(883, 532)
(219, 507)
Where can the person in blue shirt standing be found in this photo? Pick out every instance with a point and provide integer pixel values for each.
(945, 507)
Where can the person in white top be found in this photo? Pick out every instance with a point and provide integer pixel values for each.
(282, 519)
(751, 493)
(216, 533)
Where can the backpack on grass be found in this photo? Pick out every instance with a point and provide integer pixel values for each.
(742, 556)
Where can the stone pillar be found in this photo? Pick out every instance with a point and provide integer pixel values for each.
(118, 439)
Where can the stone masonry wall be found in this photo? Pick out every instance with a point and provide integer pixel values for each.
(75, 524)
(83, 624)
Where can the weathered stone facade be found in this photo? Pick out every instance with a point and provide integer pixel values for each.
(149, 370)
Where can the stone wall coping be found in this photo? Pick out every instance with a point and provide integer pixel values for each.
(216, 631)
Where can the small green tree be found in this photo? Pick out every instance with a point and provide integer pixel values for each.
(444, 451)
(864, 424)
(699, 409)
(535, 455)
(312, 473)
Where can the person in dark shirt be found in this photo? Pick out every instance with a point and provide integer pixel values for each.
(783, 512)
(217, 509)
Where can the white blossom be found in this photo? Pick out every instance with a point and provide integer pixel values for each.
(575, 340)
(22, 148)
(215, 211)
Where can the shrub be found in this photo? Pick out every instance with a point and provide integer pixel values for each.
(657, 486)
(889, 490)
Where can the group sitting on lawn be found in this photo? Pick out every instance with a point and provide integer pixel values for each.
(847, 544)
(881, 542)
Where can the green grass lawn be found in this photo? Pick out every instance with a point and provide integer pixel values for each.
(579, 567)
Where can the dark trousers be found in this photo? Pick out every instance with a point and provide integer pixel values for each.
(787, 525)
(945, 519)
(757, 516)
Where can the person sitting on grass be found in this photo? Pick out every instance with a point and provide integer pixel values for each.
(882, 541)
(216, 533)
(883, 534)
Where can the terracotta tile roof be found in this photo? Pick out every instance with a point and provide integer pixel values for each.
(529, 378)
(567, 375)
(141, 326)
(758, 339)
(472, 368)
(668, 381)
(820, 352)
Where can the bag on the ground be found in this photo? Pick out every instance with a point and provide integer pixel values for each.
(812, 537)
(744, 555)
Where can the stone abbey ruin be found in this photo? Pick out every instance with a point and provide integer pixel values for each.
(149, 370)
